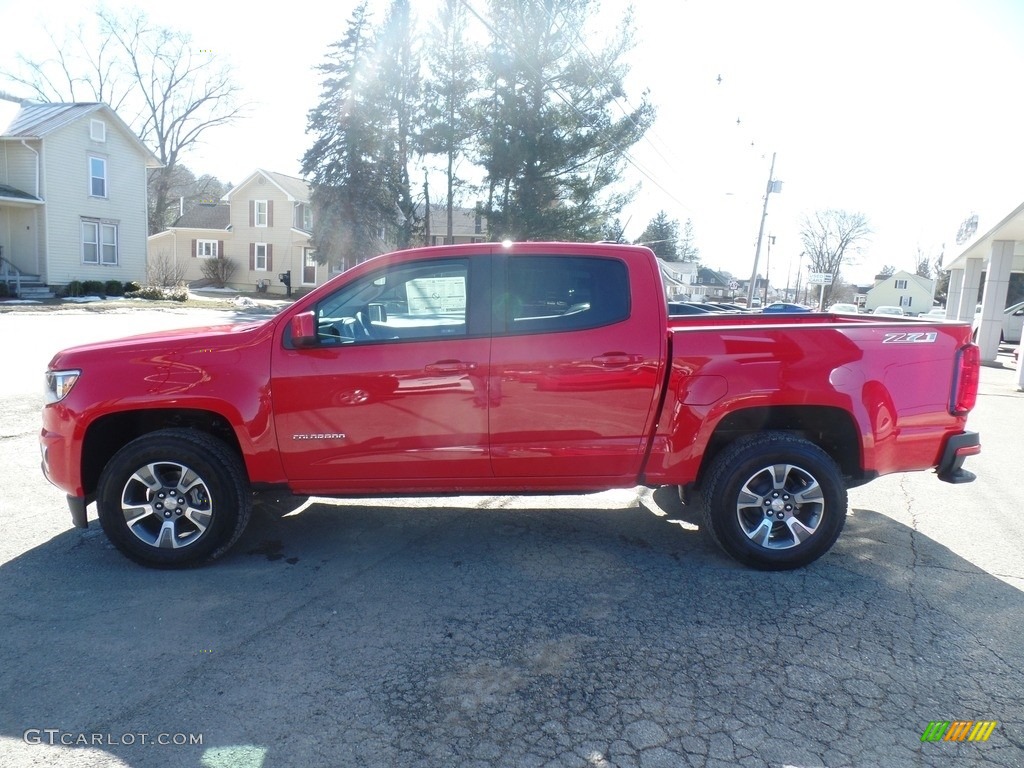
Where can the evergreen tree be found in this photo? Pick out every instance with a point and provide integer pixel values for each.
(450, 120)
(552, 147)
(400, 85)
(687, 250)
(347, 165)
(662, 236)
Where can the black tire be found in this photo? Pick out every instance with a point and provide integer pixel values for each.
(774, 501)
(185, 494)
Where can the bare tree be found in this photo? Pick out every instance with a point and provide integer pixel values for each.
(923, 265)
(167, 92)
(831, 237)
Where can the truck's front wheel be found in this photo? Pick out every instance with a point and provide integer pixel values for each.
(774, 501)
(173, 498)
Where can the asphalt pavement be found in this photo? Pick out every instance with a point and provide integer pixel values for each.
(593, 631)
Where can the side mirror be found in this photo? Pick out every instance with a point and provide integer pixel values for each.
(303, 328)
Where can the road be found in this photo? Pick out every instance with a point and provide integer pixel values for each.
(601, 630)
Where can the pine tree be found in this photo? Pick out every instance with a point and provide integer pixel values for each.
(688, 252)
(552, 147)
(451, 119)
(400, 82)
(662, 236)
(347, 165)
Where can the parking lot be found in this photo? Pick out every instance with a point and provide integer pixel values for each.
(601, 630)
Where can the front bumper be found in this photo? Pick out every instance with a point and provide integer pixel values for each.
(958, 448)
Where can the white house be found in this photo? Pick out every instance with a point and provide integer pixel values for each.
(72, 196)
(903, 289)
(678, 278)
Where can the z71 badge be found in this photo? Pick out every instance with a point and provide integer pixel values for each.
(910, 337)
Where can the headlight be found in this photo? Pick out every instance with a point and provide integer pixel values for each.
(59, 384)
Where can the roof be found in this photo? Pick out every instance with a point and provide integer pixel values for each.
(36, 121)
(205, 216)
(296, 190)
(13, 194)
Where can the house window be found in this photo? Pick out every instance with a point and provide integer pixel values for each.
(261, 213)
(206, 249)
(97, 130)
(99, 242)
(97, 177)
(307, 218)
(905, 300)
(901, 285)
(260, 261)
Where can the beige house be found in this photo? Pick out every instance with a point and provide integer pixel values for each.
(903, 289)
(72, 197)
(263, 226)
(468, 226)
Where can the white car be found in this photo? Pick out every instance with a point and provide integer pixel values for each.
(888, 310)
(844, 309)
(1013, 320)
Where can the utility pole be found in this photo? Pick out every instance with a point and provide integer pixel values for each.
(767, 268)
(773, 186)
(799, 269)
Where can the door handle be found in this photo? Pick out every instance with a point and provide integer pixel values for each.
(617, 359)
(450, 366)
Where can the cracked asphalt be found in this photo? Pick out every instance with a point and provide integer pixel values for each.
(602, 630)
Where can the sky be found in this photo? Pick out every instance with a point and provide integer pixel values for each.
(907, 111)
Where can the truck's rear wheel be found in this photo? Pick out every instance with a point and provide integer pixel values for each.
(774, 501)
(174, 498)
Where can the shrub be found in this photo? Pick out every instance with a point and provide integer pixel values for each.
(131, 285)
(218, 271)
(113, 288)
(159, 293)
(165, 271)
(5, 292)
(92, 287)
(74, 288)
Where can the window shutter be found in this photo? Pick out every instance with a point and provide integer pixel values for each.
(193, 247)
(252, 256)
(270, 257)
(270, 213)
(220, 249)
(252, 213)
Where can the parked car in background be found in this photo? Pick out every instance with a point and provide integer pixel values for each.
(783, 306)
(680, 308)
(886, 309)
(938, 312)
(719, 306)
(844, 309)
(1013, 321)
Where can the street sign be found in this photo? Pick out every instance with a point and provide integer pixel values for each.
(820, 278)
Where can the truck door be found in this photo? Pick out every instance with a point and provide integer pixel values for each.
(395, 387)
(574, 364)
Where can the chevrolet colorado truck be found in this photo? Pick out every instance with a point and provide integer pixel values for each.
(505, 368)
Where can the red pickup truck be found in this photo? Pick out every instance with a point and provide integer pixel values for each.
(505, 369)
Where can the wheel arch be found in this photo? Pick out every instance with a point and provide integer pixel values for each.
(831, 429)
(108, 434)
